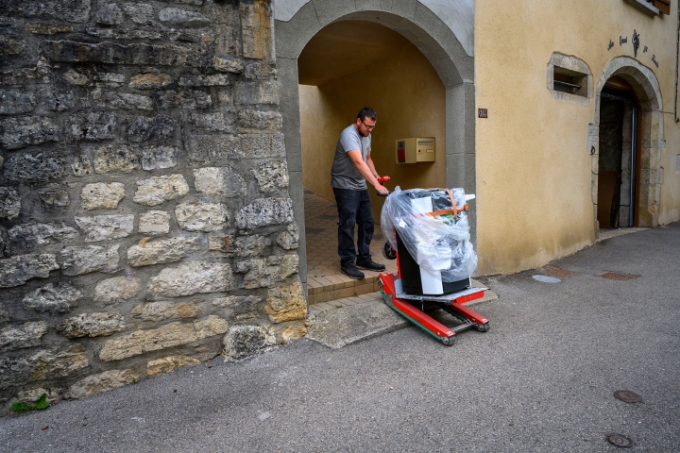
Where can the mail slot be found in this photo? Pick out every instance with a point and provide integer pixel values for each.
(412, 150)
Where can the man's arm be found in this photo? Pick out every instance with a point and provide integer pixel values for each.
(371, 166)
(365, 170)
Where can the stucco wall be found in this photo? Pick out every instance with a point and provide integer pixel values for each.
(533, 165)
(409, 98)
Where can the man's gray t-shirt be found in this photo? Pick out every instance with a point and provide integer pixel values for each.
(344, 174)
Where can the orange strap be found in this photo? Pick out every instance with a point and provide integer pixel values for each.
(453, 211)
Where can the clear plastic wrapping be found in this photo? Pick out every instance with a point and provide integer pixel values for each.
(439, 242)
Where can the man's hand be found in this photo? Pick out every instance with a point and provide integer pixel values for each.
(381, 189)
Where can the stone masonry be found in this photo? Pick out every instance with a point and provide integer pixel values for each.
(145, 221)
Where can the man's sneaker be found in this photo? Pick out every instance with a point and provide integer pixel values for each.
(352, 272)
(370, 265)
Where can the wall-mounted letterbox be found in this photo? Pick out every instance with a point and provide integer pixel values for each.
(412, 150)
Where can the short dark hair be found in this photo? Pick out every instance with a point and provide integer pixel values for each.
(367, 112)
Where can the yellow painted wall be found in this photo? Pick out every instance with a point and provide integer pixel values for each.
(409, 99)
(533, 170)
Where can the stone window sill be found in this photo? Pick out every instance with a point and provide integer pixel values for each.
(645, 7)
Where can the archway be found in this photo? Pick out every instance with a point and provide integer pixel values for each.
(430, 35)
(646, 91)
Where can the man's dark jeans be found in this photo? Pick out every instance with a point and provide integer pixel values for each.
(354, 206)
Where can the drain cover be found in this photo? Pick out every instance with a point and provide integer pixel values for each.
(627, 396)
(618, 277)
(546, 279)
(619, 440)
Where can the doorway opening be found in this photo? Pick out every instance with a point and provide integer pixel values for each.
(619, 158)
(348, 65)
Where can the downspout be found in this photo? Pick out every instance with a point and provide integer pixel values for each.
(677, 65)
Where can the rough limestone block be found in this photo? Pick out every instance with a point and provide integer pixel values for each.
(75, 78)
(26, 237)
(192, 278)
(265, 272)
(159, 311)
(228, 65)
(261, 70)
(102, 382)
(150, 81)
(224, 244)
(159, 189)
(109, 14)
(216, 122)
(37, 168)
(53, 298)
(167, 336)
(159, 251)
(102, 195)
(254, 121)
(159, 157)
(154, 222)
(161, 127)
(182, 18)
(245, 341)
(186, 99)
(286, 303)
(117, 289)
(26, 335)
(256, 29)
(139, 13)
(115, 158)
(38, 75)
(200, 80)
(93, 258)
(127, 101)
(212, 149)
(10, 203)
(256, 93)
(92, 325)
(261, 146)
(24, 131)
(41, 365)
(52, 395)
(288, 240)
(169, 364)
(93, 126)
(17, 270)
(271, 176)
(290, 331)
(54, 195)
(264, 212)
(223, 181)
(201, 217)
(105, 227)
(234, 301)
(16, 102)
(251, 245)
(114, 53)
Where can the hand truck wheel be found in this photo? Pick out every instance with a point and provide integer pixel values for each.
(447, 341)
(483, 327)
(388, 252)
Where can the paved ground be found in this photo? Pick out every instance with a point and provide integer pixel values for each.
(541, 380)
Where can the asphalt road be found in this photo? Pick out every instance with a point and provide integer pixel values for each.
(541, 380)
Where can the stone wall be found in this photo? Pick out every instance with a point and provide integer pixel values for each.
(144, 212)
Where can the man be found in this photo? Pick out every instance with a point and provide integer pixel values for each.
(352, 167)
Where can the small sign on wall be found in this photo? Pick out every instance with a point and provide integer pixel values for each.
(483, 113)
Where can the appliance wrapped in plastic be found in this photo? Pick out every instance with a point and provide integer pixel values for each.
(433, 226)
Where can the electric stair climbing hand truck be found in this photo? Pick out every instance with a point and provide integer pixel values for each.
(432, 225)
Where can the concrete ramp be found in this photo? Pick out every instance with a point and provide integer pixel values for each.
(347, 324)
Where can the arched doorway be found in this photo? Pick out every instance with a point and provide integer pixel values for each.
(430, 35)
(626, 175)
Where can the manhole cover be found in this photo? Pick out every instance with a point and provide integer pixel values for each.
(546, 279)
(557, 272)
(618, 277)
(627, 396)
(619, 440)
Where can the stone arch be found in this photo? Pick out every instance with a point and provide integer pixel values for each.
(429, 34)
(646, 88)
